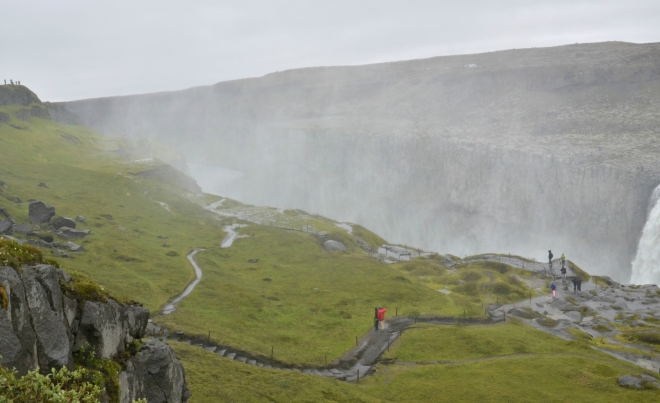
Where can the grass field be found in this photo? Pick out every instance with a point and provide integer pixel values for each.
(501, 363)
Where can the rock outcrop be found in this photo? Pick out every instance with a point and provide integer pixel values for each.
(42, 325)
(155, 374)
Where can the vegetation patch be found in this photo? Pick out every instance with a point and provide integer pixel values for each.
(16, 255)
(547, 322)
(649, 336)
(61, 385)
(602, 328)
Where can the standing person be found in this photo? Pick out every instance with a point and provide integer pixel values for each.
(376, 318)
(574, 284)
(550, 257)
(553, 287)
(381, 318)
(578, 282)
(563, 260)
(563, 273)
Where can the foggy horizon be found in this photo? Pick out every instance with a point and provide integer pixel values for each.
(77, 50)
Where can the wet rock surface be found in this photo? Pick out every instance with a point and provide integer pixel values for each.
(155, 374)
(42, 326)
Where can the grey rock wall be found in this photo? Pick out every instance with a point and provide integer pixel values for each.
(41, 327)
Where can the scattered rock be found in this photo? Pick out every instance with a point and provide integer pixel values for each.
(166, 245)
(59, 222)
(162, 237)
(253, 260)
(80, 218)
(22, 229)
(46, 237)
(5, 227)
(267, 279)
(620, 305)
(331, 245)
(43, 185)
(106, 216)
(74, 247)
(40, 213)
(66, 232)
(574, 316)
(638, 382)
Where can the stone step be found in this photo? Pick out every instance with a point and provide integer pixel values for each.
(335, 371)
(268, 366)
(221, 352)
(240, 359)
(260, 365)
(231, 356)
(252, 362)
(211, 349)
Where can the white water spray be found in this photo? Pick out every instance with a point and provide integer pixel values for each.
(646, 266)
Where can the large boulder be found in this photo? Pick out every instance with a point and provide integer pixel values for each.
(59, 222)
(331, 245)
(154, 373)
(40, 213)
(66, 232)
(22, 229)
(5, 227)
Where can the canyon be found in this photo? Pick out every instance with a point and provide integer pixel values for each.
(515, 151)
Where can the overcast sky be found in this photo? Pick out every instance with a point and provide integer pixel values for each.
(65, 49)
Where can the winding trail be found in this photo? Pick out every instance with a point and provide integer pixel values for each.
(361, 360)
(171, 306)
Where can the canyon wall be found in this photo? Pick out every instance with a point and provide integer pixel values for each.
(515, 151)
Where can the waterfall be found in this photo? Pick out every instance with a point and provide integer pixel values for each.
(646, 266)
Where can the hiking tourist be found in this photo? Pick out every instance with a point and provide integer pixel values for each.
(376, 318)
(563, 273)
(578, 283)
(381, 318)
(553, 287)
(550, 257)
(574, 284)
(563, 259)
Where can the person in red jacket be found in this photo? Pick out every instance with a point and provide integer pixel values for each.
(381, 318)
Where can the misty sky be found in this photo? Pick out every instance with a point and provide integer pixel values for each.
(65, 49)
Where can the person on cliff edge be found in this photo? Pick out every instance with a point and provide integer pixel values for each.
(563, 259)
(381, 318)
(550, 257)
(563, 273)
(553, 287)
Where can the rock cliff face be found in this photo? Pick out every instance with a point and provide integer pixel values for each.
(520, 150)
(42, 327)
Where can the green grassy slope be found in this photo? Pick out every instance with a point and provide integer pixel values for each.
(502, 363)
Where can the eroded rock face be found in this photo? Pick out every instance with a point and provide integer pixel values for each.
(155, 374)
(41, 326)
(40, 213)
